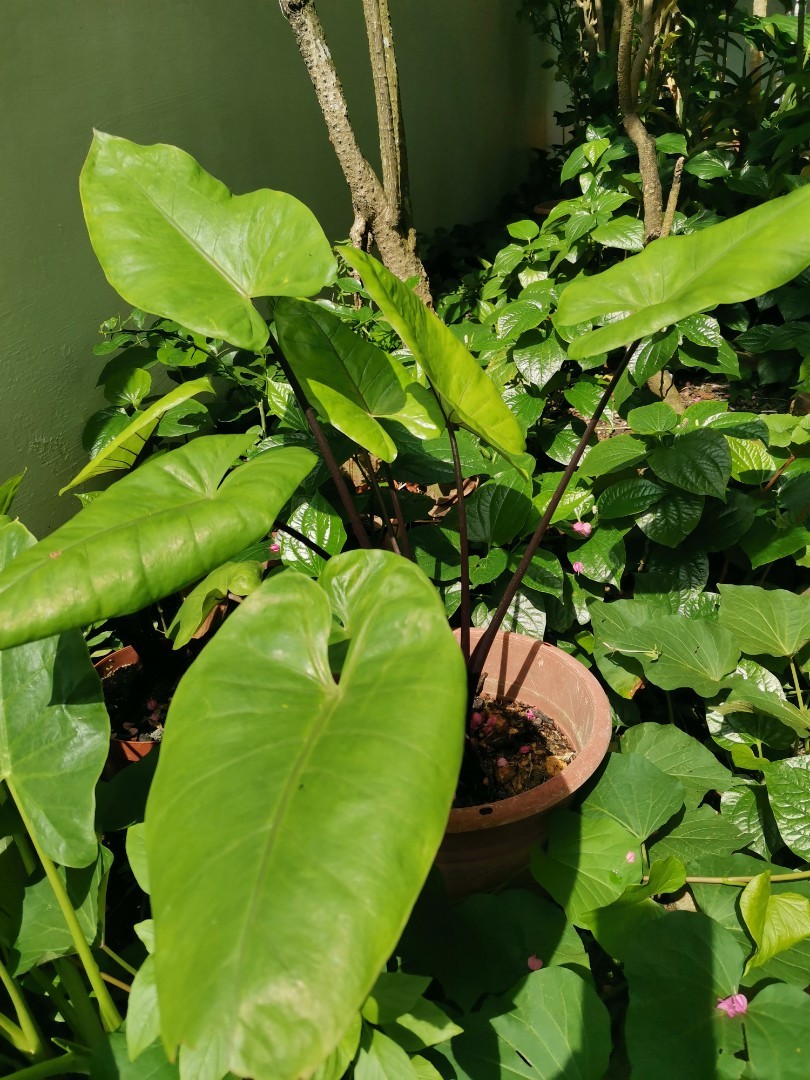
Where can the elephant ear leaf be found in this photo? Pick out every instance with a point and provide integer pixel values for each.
(326, 801)
(174, 241)
(54, 731)
(677, 276)
(158, 529)
(353, 382)
(469, 396)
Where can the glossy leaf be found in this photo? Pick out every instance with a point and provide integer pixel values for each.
(174, 241)
(788, 794)
(586, 864)
(610, 455)
(775, 922)
(351, 381)
(54, 729)
(603, 556)
(698, 461)
(680, 756)
(655, 419)
(500, 509)
(672, 518)
(340, 791)
(629, 497)
(155, 531)
(8, 490)
(469, 396)
(635, 793)
(697, 833)
(317, 520)
(240, 575)
(773, 622)
(120, 452)
(678, 276)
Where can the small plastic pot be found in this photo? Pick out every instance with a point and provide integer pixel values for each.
(122, 751)
(486, 845)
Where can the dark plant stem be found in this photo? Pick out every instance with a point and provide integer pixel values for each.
(481, 651)
(305, 540)
(465, 545)
(360, 533)
(369, 474)
(404, 542)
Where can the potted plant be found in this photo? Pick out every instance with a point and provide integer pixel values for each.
(294, 846)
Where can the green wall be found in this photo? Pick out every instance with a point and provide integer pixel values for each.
(222, 79)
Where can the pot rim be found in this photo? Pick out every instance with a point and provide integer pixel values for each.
(559, 788)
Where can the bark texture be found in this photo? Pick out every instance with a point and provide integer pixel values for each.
(380, 208)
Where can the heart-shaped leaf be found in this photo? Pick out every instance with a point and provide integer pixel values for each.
(469, 396)
(174, 241)
(54, 730)
(353, 383)
(678, 276)
(155, 531)
(772, 622)
(325, 801)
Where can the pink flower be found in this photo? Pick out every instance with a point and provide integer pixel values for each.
(583, 528)
(534, 963)
(577, 567)
(529, 714)
(476, 720)
(736, 1005)
(630, 857)
(525, 749)
(275, 548)
(501, 762)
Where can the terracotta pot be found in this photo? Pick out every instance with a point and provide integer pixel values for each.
(122, 751)
(486, 845)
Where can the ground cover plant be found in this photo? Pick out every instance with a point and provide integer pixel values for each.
(666, 620)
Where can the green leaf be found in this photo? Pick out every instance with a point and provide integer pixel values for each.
(750, 461)
(789, 793)
(602, 556)
(240, 576)
(544, 573)
(54, 730)
(671, 143)
(437, 552)
(128, 387)
(8, 490)
(136, 856)
(628, 497)
(777, 1032)
(767, 540)
(155, 531)
(469, 396)
(334, 1067)
(173, 240)
(774, 922)
(39, 932)
(616, 926)
(672, 518)
(500, 509)
(610, 455)
(379, 1058)
(110, 1061)
(483, 944)
(351, 381)
(623, 232)
(652, 354)
(393, 994)
(699, 832)
(677, 969)
(635, 793)
(118, 454)
(523, 230)
(539, 358)
(317, 520)
(698, 461)
(425, 1024)
(678, 276)
(491, 567)
(143, 1013)
(321, 790)
(586, 863)
(680, 756)
(655, 419)
(749, 697)
(772, 622)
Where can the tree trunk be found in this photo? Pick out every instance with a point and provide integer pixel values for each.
(380, 209)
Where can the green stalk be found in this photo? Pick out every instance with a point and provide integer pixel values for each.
(28, 1029)
(796, 683)
(86, 1017)
(741, 879)
(109, 1014)
(58, 997)
(10, 1031)
(68, 1063)
(119, 960)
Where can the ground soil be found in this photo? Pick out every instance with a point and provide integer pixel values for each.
(511, 747)
(137, 702)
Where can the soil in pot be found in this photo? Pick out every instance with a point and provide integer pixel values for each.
(137, 703)
(511, 748)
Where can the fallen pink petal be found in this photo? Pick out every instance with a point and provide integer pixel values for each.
(525, 749)
(583, 528)
(630, 857)
(275, 548)
(502, 762)
(534, 963)
(476, 721)
(735, 1005)
(577, 567)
